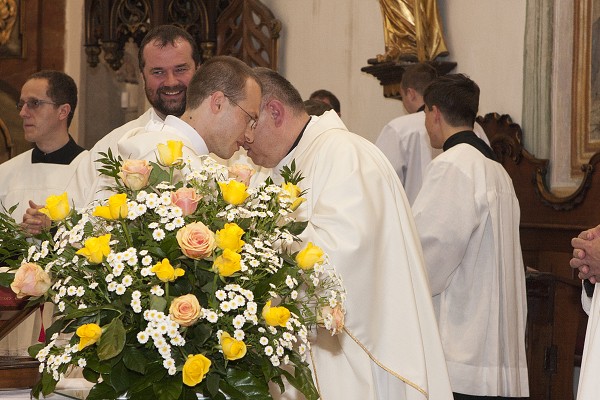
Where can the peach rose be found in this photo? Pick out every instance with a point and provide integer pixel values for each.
(241, 173)
(135, 174)
(30, 280)
(185, 310)
(333, 318)
(187, 199)
(196, 240)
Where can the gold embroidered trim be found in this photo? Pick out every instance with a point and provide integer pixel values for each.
(412, 384)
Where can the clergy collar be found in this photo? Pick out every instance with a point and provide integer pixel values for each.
(299, 136)
(64, 155)
(469, 137)
(422, 108)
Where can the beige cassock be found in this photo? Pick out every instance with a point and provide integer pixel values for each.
(358, 213)
(22, 181)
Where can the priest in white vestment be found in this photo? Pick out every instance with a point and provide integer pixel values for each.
(358, 214)
(468, 215)
(404, 140)
(46, 105)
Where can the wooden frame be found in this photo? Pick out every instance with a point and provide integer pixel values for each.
(585, 140)
(13, 47)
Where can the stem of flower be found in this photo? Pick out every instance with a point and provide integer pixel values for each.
(127, 233)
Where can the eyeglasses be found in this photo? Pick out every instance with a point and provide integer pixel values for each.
(253, 121)
(33, 104)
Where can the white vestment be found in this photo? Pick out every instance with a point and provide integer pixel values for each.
(21, 181)
(405, 142)
(467, 215)
(87, 183)
(589, 383)
(358, 214)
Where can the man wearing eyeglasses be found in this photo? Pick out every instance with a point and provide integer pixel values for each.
(46, 105)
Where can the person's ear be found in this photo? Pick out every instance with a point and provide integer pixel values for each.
(276, 111)
(217, 101)
(63, 111)
(411, 94)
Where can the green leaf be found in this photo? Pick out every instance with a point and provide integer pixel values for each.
(102, 391)
(134, 360)
(6, 278)
(158, 303)
(296, 228)
(168, 389)
(34, 349)
(302, 379)
(155, 373)
(121, 377)
(245, 386)
(112, 341)
(157, 175)
(90, 375)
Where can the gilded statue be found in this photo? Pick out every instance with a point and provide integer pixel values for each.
(8, 16)
(412, 31)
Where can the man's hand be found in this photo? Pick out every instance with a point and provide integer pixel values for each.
(34, 222)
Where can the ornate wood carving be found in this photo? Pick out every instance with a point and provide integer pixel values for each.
(7, 150)
(242, 28)
(249, 31)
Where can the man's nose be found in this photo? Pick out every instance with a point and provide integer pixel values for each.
(170, 79)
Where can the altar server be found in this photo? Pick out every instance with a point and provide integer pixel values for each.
(467, 215)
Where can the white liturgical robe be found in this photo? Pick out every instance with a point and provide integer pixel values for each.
(405, 142)
(358, 214)
(87, 182)
(467, 215)
(589, 383)
(21, 181)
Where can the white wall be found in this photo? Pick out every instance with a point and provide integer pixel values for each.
(325, 43)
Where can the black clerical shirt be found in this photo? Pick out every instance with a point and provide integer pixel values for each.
(63, 156)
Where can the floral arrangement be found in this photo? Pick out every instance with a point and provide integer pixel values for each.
(183, 283)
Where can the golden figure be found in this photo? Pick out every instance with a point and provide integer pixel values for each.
(8, 16)
(412, 30)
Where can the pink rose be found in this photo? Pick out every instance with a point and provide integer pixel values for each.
(30, 280)
(185, 310)
(196, 240)
(135, 174)
(187, 199)
(241, 173)
(333, 318)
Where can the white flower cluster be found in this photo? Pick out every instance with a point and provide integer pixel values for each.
(53, 357)
(164, 333)
(171, 216)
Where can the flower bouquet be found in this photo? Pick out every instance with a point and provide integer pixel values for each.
(185, 282)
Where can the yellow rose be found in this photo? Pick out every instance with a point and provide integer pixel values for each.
(116, 208)
(228, 263)
(165, 271)
(170, 153)
(135, 173)
(292, 192)
(275, 316)
(88, 334)
(232, 349)
(195, 369)
(30, 280)
(185, 310)
(230, 237)
(57, 207)
(234, 192)
(96, 248)
(309, 256)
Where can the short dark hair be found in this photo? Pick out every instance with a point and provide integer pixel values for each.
(418, 77)
(61, 89)
(316, 107)
(277, 87)
(220, 73)
(167, 34)
(326, 94)
(457, 98)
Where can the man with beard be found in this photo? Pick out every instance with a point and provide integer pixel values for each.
(168, 58)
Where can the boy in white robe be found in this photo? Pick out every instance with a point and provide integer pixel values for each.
(404, 140)
(357, 212)
(46, 105)
(467, 216)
